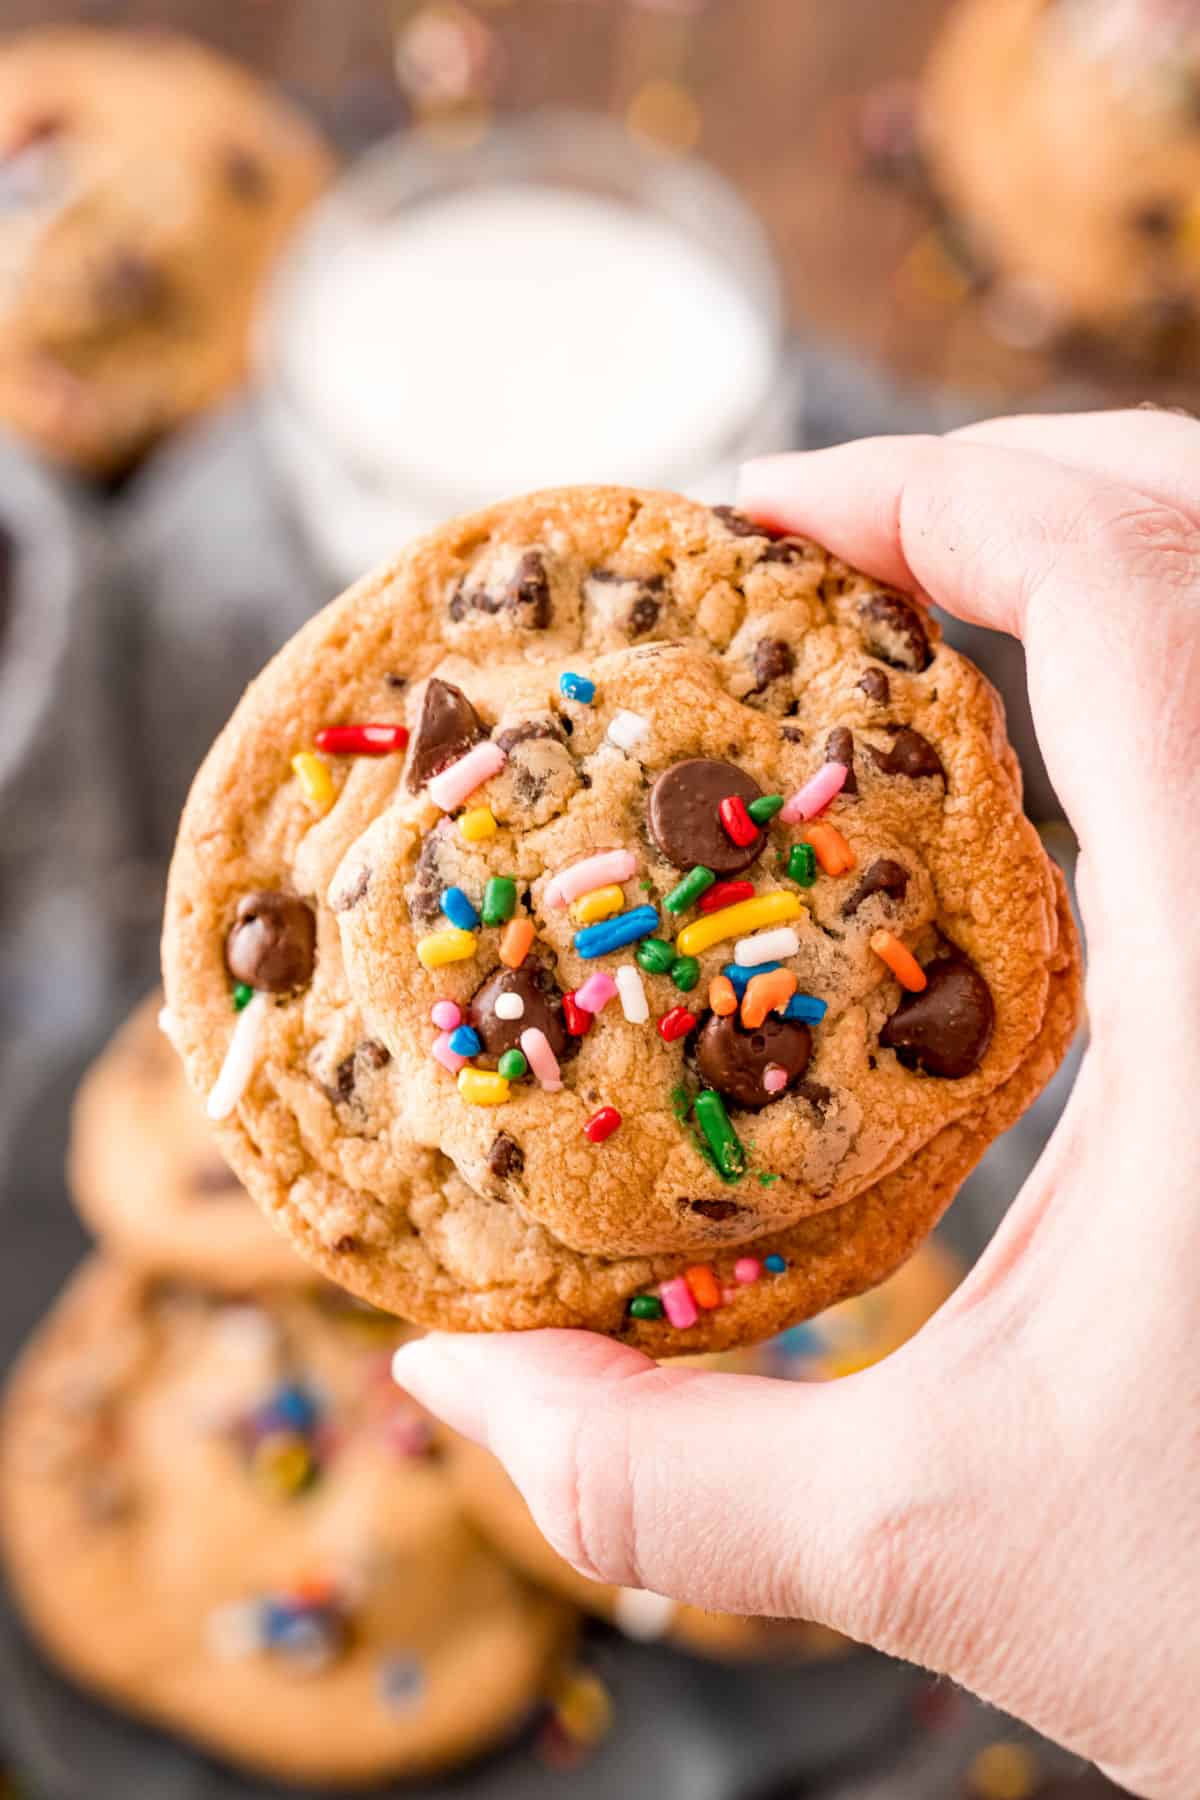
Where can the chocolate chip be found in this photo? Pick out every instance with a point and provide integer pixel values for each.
(819, 1097)
(543, 1011)
(883, 877)
(246, 175)
(395, 682)
(945, 1029)
(734, 1060)
(528, 593)
(446, 730)
(839, 748)
(909, 754)
(346, 899)
(643, 614)
(1155, 219)
(786, 550)
(876, 686)
(791, 734)
(213, 1177)
(424, 893)
(684, 820)
(506, 1159)
(894, 631)
(39, 128)
(717, 1210)
(773, 659)
(366, 1057)
(345, 1244)
(740, 526)
(128, 287)
(527, 731)
(272, 943)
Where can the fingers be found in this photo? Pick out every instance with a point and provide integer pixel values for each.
(1156, 452)
(853, 1504)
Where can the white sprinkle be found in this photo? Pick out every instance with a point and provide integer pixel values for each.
(509, 1006)
(642, 1615)
(241, 1058)
(634, 1003)
(235, 1632)
(627, 729)
(167, 1025)
(245, 1331)
(766, 946)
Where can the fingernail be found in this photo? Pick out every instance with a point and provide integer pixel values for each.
(431, 1371)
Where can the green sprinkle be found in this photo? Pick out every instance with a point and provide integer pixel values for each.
(764, 1179)
(646, 884)
(655, 955)
(499, 900)
(696, 882)
(645, 1306)
(722, 1139)
(763, 810)
(681, 1102)
(512, 1065)
(243, 994)
(802, 864)
(685, 973)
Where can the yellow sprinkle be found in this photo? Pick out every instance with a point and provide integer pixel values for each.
(734, 921)
(451, 945)
(479, 823)
(601, 903)
(584, 1708)
(282, 1463)
(315, 779)
(479, 1087)
(1003, 1772)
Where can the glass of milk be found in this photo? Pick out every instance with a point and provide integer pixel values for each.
(558, 303)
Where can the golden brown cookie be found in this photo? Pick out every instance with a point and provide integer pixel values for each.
(596, 673)
(148, 187)
(847, 1338)
(225, 1518)
(149, 1179)
(1061, 134)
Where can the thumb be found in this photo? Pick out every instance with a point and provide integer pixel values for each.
(853, 1504)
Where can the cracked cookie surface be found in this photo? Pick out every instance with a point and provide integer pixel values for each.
(588, 680)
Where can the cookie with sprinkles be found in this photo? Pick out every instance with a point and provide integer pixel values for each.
(685, 950)
(223, 1516)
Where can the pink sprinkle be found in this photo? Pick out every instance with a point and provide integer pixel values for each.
(594, 994)
(775, 1078)
(747, 1270)
(451, 787)
(449, 1059)
(678, 1304)
(610, 868)
(816, 793)
(541, 1058)
(728, 1294)
(446, 1014)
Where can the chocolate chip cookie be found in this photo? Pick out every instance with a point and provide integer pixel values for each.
(149, 1180)
(847, 1338)
(224, 1517)
(148, 185)
(664, 885)
(1061, 135)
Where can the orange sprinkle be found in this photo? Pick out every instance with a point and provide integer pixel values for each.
(900, 960)
(765, 994)
(703, 1285)
(721, 996)
(833, 852)
(314, 1590)
(516, 941)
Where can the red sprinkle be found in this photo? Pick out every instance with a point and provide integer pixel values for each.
(361, 740)
(737, 821)
(578, 1022)
(676, 1024)
(602, 1124)
(726, 893)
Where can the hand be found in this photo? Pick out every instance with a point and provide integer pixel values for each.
(1014, 1498)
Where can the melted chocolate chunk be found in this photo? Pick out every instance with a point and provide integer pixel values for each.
(739, 525)
(839, 748)
(506, 1159)
(446, 730)
(894, 631)
(774, 659)
(909, 754)
(213, 1178)
(791, 734)
(643, 614)
(946, 1029)
(272, 943)
(528, 593)
(876, 686)
(246, 175)
(734, 1060)
(425, 891)
(346, 899)
(129, 287)
(786, 550)
(543, 1011)
(819, 1097)
(717, 1210)
(883, 877)
(527, 731)
(685, 822)
(1156, 219)
(364, 1058)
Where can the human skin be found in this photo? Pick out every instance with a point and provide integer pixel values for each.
(1013, 1499)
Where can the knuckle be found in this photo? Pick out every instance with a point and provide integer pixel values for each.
(583, 1495)
(1154, 543)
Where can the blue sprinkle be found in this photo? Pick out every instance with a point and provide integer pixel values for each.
(293, 1408)
(614, 934)
(465, 1041)
(576, 687)
(458, 909)
(740, 978)
(807, 1008)
(401, 1680)
(774, 1265)
(798, 1341)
